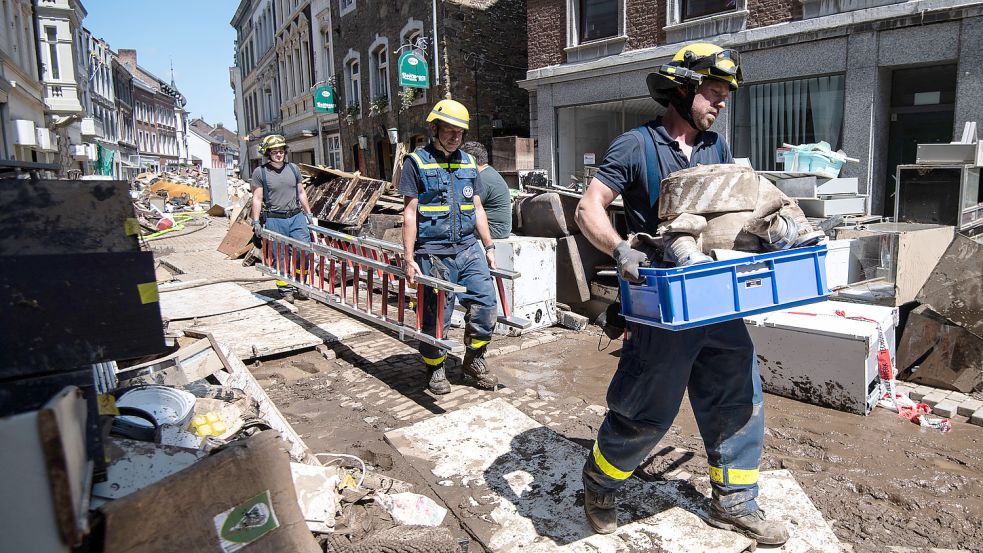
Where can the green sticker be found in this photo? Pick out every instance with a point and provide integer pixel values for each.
(246, 523)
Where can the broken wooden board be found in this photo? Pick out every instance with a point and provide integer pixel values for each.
(526, 491)
(339, 197)
(272, 329)
(134, 465)
(238, 240)
(188, 364)
(190, 510)
(208, 300)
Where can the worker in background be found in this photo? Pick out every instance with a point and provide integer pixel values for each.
(445, 235)
(495, 199)
(280, 203)
(714, 363)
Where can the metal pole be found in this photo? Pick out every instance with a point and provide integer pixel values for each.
(436, 57)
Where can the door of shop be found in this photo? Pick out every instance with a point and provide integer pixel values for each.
(922, 112)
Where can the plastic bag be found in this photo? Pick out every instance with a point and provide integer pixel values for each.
(411, 508)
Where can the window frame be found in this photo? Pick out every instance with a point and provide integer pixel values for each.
(574, 25)
(54, 62)
(379, 75)
(346, 6)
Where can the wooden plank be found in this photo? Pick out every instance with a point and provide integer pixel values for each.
(342, 198)
(271, 329)
(179, 512)
(66, 217)
(211, 299)
(238, 240)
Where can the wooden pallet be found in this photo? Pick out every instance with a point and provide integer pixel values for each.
(339, 197)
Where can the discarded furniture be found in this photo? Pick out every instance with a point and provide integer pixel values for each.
(532, 297)
(341, 198)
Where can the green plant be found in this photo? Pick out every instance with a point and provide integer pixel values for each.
(378, 104)
(352, 112)
(407, 95)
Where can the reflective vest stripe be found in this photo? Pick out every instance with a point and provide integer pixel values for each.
(435, 208)
(467, 207)
(470, 164)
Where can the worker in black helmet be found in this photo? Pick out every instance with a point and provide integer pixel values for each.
(714, 363)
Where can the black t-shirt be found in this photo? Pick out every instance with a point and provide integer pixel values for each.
(624, 171)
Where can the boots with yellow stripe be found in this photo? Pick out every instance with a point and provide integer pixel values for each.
(475, 366)
(437, 378)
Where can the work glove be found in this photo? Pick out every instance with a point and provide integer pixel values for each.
(257, 228)
(628, 261)
(310, 218)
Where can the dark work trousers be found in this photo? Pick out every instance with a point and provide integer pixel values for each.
(716, 364)
(468, 268)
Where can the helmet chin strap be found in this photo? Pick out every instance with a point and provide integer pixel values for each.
(684, 105)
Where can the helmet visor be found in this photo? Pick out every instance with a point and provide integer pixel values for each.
(725, 63)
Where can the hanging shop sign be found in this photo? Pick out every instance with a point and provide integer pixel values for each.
(413, 71)
(324, 101)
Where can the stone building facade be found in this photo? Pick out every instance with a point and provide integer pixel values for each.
(160, 120)
(873, 77)
(354, 45)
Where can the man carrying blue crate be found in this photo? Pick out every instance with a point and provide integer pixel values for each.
(446, 235)
(715, 363)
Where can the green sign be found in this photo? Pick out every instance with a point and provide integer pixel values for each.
(324, 101)
(413, 71)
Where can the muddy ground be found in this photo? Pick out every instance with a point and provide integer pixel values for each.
(878, 480)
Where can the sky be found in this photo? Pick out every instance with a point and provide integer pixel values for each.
(193, 34)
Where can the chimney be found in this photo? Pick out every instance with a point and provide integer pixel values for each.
(128, 57)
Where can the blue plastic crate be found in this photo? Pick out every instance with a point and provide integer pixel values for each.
(687, 297)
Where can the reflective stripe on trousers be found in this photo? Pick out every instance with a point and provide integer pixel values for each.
(716, 365)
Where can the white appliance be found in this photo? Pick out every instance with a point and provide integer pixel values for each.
(532, 296)
(811, 354)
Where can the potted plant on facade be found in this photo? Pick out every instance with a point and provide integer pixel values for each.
(407, 95)
(351, 113)
(378, 104)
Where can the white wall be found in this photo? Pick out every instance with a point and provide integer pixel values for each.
(199, 147)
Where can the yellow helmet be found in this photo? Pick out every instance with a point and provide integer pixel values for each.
(450, 112)
(691, 65)
(272, 142)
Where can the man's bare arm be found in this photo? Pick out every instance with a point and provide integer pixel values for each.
(592, 217)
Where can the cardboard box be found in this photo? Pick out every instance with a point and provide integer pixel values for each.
(513, 153)
(193, 509)
(823, 359)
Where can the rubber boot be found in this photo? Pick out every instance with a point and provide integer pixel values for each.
(438, 383)
(682, 250)
(753, 525)
(601, 510)
(476, 368)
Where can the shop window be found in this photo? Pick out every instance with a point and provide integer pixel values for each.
(585, 132)
(801, 111)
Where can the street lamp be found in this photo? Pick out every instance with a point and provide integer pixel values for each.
(393, 133)
(363, 142)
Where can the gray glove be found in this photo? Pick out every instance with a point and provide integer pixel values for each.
(628, 260)
(310, 218)
(257, 228)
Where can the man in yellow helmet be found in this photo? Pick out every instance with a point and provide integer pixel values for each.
(714, 363)
(445, 235)
(280, 202)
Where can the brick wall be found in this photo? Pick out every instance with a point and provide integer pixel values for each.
(762, 13)
(547, 21)
(645, 20)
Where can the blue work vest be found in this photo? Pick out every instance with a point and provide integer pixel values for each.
(445, 212)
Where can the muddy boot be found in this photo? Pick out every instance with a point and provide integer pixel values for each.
(476, 368)
(753, 525)
(601, 510)
(287, 293)
(682, 250)
(438, 383)
(301, 295)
